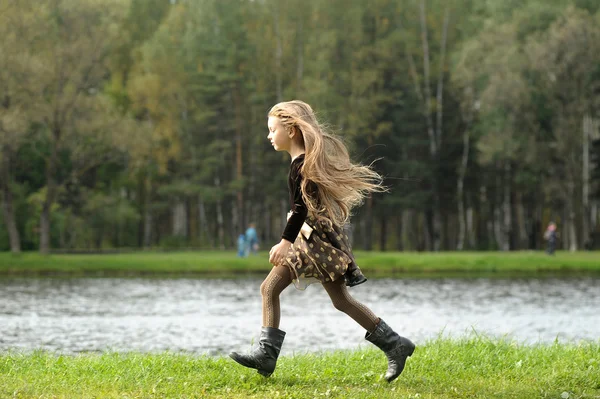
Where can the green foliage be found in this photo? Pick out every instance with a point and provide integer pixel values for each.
(148, 104)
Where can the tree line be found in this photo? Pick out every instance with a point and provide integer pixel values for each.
(142, 123)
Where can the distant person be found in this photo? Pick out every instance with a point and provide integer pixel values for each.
(241, 245)
(324, 186)
(251, 239)
(550, 235)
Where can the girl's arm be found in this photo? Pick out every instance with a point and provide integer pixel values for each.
(294, 223)
(299, 211)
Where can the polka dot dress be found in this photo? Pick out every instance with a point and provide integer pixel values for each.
(322, 258)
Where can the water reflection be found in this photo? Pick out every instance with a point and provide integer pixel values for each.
(215, 316)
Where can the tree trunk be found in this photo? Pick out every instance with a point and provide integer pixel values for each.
(507, 211)
(435, 135)
(239, 130)
(440, 86)
(594, 134)
(462, 228)
(49, 198)
(400, 231)
(536, 228)
(148, 219)
(220, 219)
(192, 222)
(368, 218)
(498, 227)
(449, 237)
(498, 209)
(521, 221)
(236, 226)
(45, 227)
(62, 233)
(383, 233)
(426, 244)
(486, 224)
(433, 144)
(462, 225)
(362, 236)
(427, 105)
(594, 216)
(220, 226)
(438, 232)
(407, 226)
(147, 243)
(588, 129)
(571, 216)
(471, 236)
(204, 230)
(251, 207)
(7, 203)
(437, 220)
(98, 235)
(179, 215)
(141, 198)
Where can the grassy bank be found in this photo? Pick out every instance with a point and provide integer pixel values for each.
(443, 368)
(373, 263)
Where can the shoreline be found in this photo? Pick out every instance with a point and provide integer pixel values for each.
(227, 264)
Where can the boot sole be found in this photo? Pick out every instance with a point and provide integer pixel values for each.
(408, 354)
(240, 361)
(264, 373)
(355, 283)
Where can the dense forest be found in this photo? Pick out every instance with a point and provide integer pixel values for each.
(131, 124)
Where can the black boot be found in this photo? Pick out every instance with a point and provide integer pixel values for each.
(264, 357)
(396, 348)
(354, 275)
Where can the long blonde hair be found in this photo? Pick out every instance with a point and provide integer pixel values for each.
(341, 184)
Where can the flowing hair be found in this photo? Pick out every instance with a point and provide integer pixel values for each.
(341, 184)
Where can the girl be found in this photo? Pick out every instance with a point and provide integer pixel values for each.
(324, 186)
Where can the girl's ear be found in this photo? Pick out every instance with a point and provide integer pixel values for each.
(292, 131)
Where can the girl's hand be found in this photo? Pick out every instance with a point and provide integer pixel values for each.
(278, 252)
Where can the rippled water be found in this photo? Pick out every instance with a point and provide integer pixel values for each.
(214, 316)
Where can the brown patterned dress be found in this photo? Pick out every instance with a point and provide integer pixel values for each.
(322, 257)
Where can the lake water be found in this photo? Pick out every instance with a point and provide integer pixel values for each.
(215, 316)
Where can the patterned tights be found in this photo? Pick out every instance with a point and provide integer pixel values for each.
(280, 278)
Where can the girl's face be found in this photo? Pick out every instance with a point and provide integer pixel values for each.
(278, 136)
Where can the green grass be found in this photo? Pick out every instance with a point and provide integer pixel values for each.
(224, 263)
(473, 367)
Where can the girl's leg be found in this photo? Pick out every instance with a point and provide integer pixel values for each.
(396, 348)
(344, 302)
(264, 357)
(278, 279)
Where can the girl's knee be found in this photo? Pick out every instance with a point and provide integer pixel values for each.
(342, 306)
(268, 286)
(264, 288)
